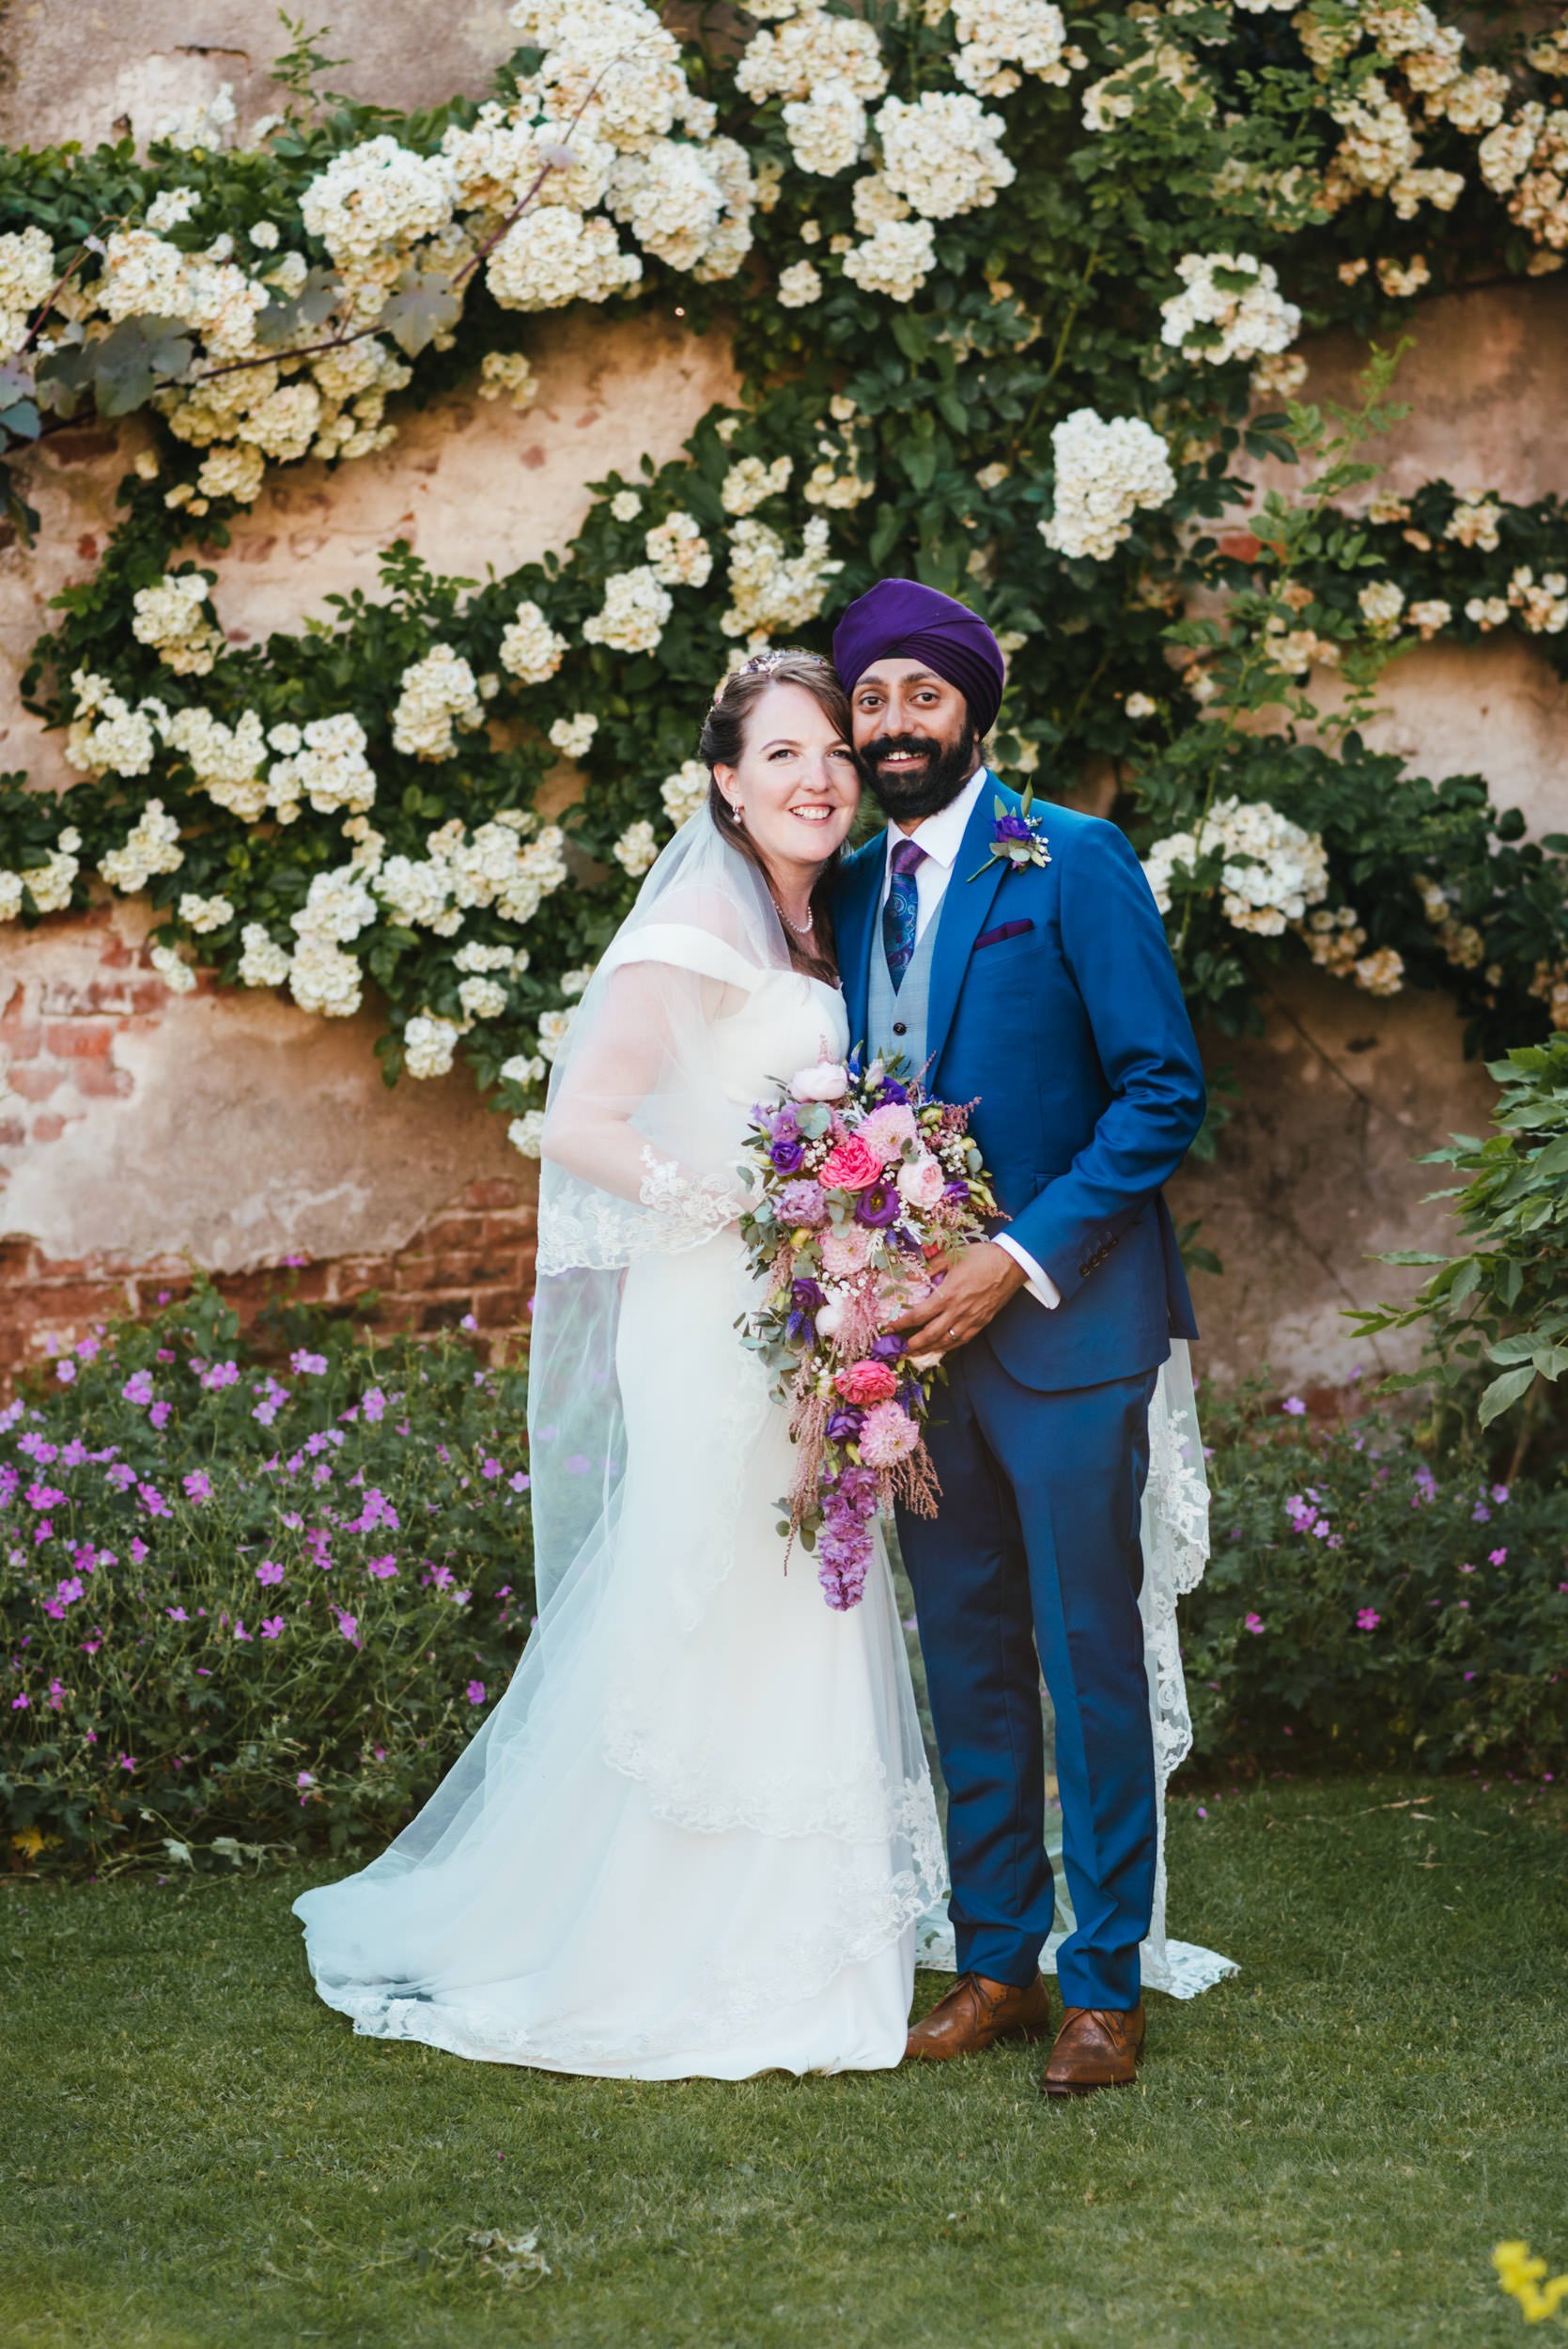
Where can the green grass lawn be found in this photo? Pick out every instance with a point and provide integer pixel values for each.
(198, 2154)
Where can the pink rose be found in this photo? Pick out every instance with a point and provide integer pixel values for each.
(850, 1166)
(866, 1382)
(921, 1182)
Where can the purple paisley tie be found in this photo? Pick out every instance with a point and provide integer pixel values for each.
(901, 913)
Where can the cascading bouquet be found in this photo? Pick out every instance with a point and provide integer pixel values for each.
(863, 1191)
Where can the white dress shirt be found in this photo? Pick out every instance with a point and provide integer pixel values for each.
(941, 836)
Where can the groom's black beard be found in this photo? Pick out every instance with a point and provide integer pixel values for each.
(907, 792)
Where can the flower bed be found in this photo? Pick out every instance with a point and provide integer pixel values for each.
(266, 1592)
(263, 1599)
(1365, 1605)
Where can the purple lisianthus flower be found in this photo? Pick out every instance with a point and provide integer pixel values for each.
(877, 1205)
(1011, 827)
(886, 1348)
(787, 1153)
(889, 1091)
(843, 1425)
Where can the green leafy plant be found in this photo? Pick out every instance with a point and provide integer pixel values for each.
(1504, 1300)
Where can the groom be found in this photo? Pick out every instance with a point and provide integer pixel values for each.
(1044, 993)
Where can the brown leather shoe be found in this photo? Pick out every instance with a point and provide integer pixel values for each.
(1097, 2046)
(975, 2013)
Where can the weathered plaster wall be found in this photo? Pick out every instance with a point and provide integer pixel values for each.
(143, 1125)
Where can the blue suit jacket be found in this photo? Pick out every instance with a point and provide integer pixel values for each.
(1070, 1035)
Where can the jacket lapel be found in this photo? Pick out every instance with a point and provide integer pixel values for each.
(965, 906)
(855, 913)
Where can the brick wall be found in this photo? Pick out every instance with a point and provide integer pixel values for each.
(475, 1259)
(64, 1039)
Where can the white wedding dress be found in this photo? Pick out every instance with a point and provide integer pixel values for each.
(698, 1834)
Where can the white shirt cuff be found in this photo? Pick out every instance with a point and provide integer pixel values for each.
(1039, 1283)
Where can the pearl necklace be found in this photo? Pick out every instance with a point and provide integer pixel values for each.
(802, 930)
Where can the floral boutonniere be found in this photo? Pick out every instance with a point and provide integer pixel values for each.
(1016, 840)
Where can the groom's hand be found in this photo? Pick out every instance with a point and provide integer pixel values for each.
(972, 1293)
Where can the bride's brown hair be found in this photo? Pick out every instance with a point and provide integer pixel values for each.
(723, 740)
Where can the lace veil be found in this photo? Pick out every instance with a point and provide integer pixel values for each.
(638, 1156)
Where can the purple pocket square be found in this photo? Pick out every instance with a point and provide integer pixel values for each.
(1004, 929)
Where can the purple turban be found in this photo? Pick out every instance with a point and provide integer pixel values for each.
(898, 617)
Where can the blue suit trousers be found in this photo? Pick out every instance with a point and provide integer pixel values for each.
(1034, 1564)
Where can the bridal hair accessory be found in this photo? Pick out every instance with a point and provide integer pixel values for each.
(863, 1191)
(1016, 840)
(763, 665)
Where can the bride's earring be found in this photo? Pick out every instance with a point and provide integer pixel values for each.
(738, 811)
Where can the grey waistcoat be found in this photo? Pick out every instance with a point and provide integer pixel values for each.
(910, 1002)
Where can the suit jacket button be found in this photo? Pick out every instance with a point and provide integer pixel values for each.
(898, 1027)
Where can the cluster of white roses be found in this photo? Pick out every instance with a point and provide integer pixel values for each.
(636, 849)
(771, 590)
(171, 620)
(1527, 161)
(894, 258)
(47, 884)
(1271, 870)
(1337, 942)
(151, 846)
(1106, 469)
(27, 273)
(683, 793)
(529, 649)
(942, 155)
(681, 556)
(1002, 40)
(1542, 603)
(636, 606)
(323, 761)
(436, 694)
(1230, 307)
(1461, 941)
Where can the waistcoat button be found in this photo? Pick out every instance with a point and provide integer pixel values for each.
(898, 1028)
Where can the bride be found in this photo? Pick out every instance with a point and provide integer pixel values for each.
(698, 1834)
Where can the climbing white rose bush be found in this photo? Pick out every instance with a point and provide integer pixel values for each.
(1017, 296)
